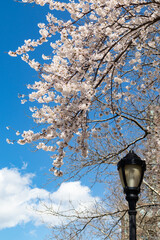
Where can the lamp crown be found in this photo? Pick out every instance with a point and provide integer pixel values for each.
(132, 156)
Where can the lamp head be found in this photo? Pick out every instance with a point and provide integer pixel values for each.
(131, 170)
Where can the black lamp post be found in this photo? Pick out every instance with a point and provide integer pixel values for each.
(131, 171)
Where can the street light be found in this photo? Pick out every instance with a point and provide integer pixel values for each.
(131, 171)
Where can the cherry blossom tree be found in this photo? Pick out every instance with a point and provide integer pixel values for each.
(100, 78)
(97, 86)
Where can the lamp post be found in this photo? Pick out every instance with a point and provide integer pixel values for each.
(131, 171)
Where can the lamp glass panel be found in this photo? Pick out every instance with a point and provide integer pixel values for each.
(121, 177)
(133, 175)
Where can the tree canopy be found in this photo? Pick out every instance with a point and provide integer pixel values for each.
(102, 73)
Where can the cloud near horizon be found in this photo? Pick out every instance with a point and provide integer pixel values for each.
(21, 203)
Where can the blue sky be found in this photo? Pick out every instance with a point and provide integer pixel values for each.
(18, 22)
(23, 173)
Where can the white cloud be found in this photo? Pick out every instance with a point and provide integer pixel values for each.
(18, 200)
